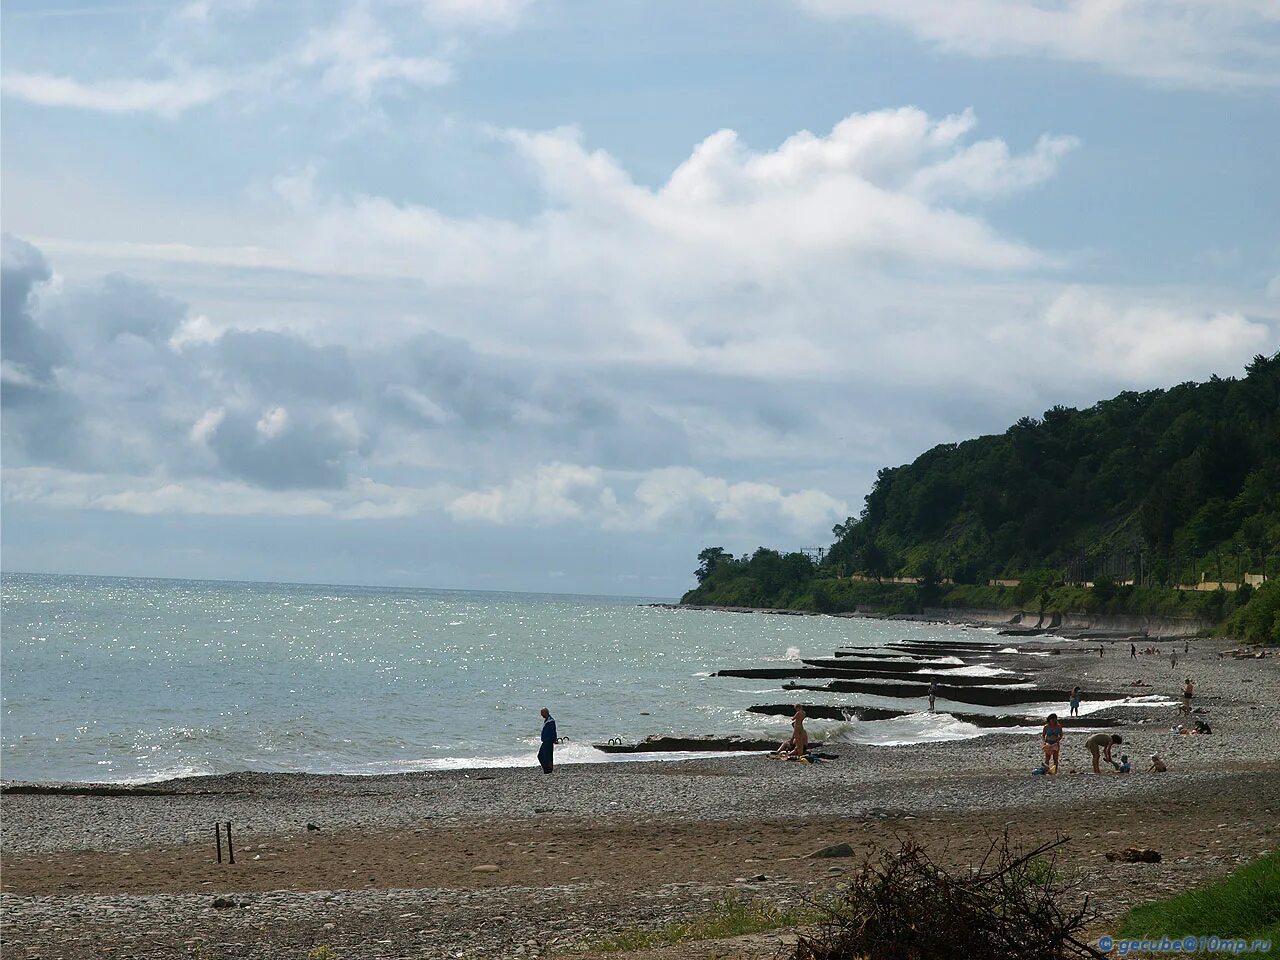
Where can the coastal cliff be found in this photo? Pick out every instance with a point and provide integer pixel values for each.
(1161, 509)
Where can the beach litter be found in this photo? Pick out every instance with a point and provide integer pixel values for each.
(1133, 855)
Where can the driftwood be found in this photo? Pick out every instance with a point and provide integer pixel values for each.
(1010, 906)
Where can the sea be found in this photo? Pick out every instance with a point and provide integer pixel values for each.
(137, 680)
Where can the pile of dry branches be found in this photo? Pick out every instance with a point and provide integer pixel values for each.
(905, 906)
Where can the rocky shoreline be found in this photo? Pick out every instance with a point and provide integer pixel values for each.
(1073, 625)
(385, 866)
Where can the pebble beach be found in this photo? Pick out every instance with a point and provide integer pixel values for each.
(387, 866)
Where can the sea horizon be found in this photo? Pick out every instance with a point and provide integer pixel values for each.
(646, 598)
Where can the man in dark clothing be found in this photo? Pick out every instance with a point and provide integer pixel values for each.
(546, 752)
(1133, 651)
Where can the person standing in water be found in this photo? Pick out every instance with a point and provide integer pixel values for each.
(1075, 701)
(933, 692)
(546, 752)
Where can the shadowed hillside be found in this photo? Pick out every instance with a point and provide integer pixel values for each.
(1108, 509)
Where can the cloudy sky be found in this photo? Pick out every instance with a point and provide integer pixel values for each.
(548, 295)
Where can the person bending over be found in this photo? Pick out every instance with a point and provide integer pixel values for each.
(1099, 745)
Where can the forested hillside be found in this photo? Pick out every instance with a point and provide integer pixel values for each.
(1114, 506)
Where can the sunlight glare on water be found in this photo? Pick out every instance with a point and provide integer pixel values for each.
(117, 679)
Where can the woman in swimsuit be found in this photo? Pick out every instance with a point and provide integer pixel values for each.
(799, 736)
(1075, 701)
(1051, 740)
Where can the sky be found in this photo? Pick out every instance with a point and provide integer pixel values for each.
(549, 295)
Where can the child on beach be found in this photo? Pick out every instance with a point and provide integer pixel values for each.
(1157, 765)
(1101, 744)
(1051, 741)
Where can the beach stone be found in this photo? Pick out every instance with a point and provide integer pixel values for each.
(834, 850)
(485, 868)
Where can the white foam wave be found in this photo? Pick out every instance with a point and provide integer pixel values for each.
(909, 729)
(1038, 710)
(977, 670)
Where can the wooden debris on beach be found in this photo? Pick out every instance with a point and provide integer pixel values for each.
(1133, 855)
(1010, 906)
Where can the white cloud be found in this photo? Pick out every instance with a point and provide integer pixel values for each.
(168, 97)
(362, 499)
(558, 492)
(475, 13)
(356, 56)
(865, 194)
(1150, 342)
(662, 495)
(553, 492)
(273, 423)
(1214, 43)
(207, 425)
(65, 489)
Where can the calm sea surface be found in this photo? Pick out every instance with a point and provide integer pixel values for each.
(127, 680)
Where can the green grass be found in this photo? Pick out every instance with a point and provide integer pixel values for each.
(1245, 904)
(730, 917)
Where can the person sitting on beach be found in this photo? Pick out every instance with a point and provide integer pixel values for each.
(1157, 765)
(1101, 743)
(1124, 764)
(799, 736)
(1051, 741)
(1075, 701)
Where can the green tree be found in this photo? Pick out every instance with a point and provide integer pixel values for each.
(709, 560)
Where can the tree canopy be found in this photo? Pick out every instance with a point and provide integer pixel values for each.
(1157, 488)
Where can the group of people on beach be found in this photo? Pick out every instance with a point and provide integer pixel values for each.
(1100, 745)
